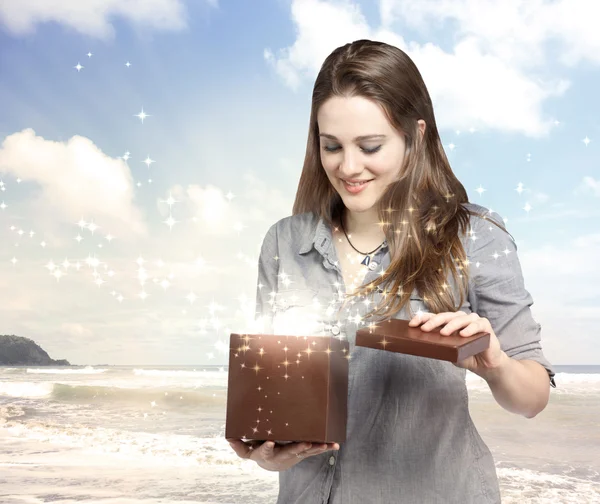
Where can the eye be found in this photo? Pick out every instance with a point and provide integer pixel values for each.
(335, 148)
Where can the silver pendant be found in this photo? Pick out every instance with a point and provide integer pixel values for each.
(366, 260)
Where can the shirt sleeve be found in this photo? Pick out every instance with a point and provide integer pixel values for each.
(497, 290)
(266, 286)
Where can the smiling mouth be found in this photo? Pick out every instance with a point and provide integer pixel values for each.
(355, 184)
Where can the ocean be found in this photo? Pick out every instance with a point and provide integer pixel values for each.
(155, 434)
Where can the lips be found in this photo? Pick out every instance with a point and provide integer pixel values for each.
(355, 181)
(356, 189)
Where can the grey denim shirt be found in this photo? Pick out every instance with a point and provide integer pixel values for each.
(410, 437)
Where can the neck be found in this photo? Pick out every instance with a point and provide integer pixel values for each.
(363, 225)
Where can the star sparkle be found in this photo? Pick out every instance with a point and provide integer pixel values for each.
(142, 115)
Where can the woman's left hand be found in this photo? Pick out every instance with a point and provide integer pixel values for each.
(467, 325)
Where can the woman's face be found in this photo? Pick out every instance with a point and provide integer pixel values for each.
(358, 144)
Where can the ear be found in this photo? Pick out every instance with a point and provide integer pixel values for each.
(422, 127)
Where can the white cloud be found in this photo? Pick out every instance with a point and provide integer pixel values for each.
(540, 197)
(76, 178)
(514, 30)
(589, 184)
(563, 278)
(322, 26)
(73, 329)
(480, 83)
(91, 17)
(210, 207)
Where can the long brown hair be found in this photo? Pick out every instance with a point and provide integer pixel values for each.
(421, 212)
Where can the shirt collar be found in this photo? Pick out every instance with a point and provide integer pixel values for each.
(320, 237)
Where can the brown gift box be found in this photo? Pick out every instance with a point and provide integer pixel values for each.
(287, 388)
(395, 335)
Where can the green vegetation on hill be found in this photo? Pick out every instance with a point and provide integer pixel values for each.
(20, 351)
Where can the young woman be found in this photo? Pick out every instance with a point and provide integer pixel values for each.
(380, 217)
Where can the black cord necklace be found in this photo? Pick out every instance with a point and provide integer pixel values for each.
(367, 255)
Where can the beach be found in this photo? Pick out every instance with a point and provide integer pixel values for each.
(155, 434)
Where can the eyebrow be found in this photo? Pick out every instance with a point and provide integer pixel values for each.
(358, 138)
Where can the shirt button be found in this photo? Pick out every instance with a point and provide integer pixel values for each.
(372, 265)
(331, 460)
(335, 330)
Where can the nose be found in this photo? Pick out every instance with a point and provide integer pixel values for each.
(349, 166)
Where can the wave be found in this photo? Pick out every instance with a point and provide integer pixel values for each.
(566, 383)
(8, 411)
(31, 390)
(164, 448)
(69, 393)
(183, 378)
(162, 397)
(174, 373)
(525, 486)
(66, 371)
(577, 377)
(563, 484)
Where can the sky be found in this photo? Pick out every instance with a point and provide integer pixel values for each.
(147, 146)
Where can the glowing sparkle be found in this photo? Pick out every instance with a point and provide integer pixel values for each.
(142, 115)
(92, 227)
(78, 67)
(170, 222)
(169, 201)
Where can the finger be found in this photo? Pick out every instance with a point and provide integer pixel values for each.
(239, 447)
(321, 448)
(420, 318)
(441, 319)
(480, 325)
(316, 449)
(459, 322)
(267, 450)
(290, 450)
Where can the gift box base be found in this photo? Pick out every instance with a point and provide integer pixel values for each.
(287, 388)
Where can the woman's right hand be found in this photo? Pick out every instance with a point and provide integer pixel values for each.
(276, 457)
